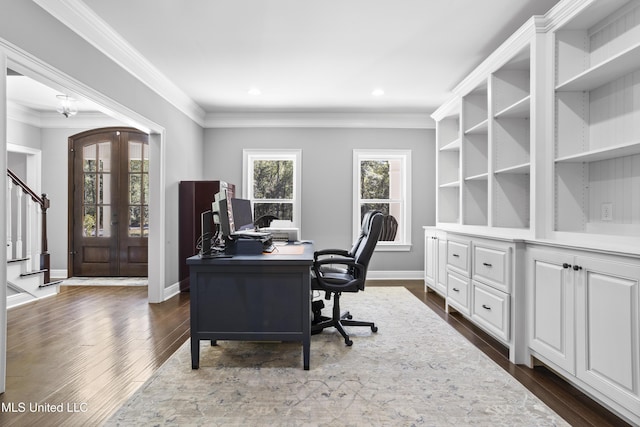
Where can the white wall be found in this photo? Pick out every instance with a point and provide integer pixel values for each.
(327, 190)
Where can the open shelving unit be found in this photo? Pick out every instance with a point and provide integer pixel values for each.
(448, 165)
(474, 156)
(511, 139)
(484, 145)
(597, 118)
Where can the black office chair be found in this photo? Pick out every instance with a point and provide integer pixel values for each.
(351, 278)
(351, 253)
(389, 228)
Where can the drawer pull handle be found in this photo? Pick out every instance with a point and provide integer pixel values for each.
(486, 307)
(456, 255)
(455, 289)
(486, 264)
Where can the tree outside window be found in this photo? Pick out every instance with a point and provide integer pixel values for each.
(382, 183)
(272, 183)
(273, 188)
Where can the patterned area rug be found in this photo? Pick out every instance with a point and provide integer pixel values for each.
(417, 370)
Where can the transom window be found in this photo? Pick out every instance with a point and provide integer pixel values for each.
(271, 180)
(382, 182)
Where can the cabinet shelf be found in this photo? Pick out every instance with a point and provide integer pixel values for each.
(452, 184)
(478, 129)
(517, 110)
(607, 153)
(524, 168)
(452, 146)
(478, 177)
(604, 72)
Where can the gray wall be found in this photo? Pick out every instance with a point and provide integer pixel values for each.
(327, 156)
(62, 49)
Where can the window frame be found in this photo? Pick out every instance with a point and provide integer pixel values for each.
(250, 155)
(404, 240)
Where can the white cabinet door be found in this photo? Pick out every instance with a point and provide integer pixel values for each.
(551, 306)
(430, 259)
(441, 279)
(607, 317)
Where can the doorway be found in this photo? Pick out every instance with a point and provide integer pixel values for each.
(109, 203)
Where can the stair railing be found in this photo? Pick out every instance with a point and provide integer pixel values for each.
(24, 248)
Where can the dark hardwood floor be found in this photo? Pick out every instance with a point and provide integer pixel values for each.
(89, 348)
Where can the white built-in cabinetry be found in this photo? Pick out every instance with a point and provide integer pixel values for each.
(435, 249)
(482, 279)
(538, 170)
(584, 314)
(596, 155)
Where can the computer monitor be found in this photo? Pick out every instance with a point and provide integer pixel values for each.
(242, 215)
(223, 213)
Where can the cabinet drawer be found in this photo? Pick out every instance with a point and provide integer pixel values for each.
(491, 266)
(458, 256)
(491, 309)
(458, 291)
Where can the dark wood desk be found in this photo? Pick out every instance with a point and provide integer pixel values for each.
(263, 297)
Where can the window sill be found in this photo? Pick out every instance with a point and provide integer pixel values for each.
(393, 247)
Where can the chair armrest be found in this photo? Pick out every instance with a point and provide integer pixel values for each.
(359, 271)
(342, 260)
(325, 252)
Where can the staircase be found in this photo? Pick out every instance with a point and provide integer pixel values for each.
(28, 277)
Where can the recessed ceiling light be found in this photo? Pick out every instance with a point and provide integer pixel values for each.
(254, 91)
(377, 92)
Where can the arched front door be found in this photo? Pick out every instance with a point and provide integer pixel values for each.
(108, 202)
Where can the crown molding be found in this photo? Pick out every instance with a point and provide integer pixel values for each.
(20, 113)
(319, 120)
(76, 15)
(50, 120)
(79, 121)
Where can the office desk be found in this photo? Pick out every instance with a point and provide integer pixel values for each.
(263, 297)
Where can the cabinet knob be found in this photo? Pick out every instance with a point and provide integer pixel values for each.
(486, 307)
(565, 265)
(577, 267)
(486, 264)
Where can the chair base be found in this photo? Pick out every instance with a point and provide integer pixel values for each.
(337, 320)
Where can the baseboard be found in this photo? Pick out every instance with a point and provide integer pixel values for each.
(395, 275)
(59, 274)
(17, 300)
(171, 291)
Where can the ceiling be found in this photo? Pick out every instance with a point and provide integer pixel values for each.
(310, 56)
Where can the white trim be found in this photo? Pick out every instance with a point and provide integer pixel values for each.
(319, 120)
(157, 204)
(51, 120)
(395, 275)
(81, 19)
(171, 291)
(59, 273)
(3, 221)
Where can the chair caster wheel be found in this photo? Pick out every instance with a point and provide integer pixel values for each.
(348, 316)
(374, 329)
(349, 343)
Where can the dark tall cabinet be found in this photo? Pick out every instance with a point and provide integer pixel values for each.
(195, 197)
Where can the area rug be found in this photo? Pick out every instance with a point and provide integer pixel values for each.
(417, 370)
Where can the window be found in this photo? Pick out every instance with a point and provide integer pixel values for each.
(382, 181)
(271, 180)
